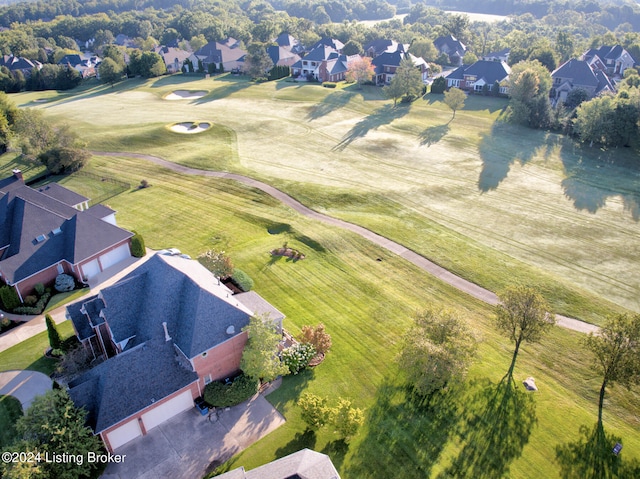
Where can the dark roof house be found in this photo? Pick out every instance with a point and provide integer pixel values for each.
(474, 77)
(21, 64)
(452, 47)
(575, 74)
(323, 63)
(48, 231)
(285, 40)
(614, 58)
(387, 63)
(173, 57)
(226, 53)
(166, 330)
(380, 46)
(282, 56)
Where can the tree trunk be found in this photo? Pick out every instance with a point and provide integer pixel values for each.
(601, 401)
(513, 360)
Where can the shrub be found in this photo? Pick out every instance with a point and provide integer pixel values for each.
(219, 394)
(137, 246)
(439, 85)
(329, 84)
(64, 283)
(54, 337)
(39, 288)
(318, 337)
(4, 323)
(314, 410)
(346, 419)
(30, 300)
(27, 310)
(64, 159)
(9, 297)
(297, 357)
(242, 279)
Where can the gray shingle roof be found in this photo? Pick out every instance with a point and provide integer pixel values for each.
(304, 464)
(482, 69)
(577, 72)
(60, 193)
(26, 213)
(80, 321)
(129, 382)
(100, 211)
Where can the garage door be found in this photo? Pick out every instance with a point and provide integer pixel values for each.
(115, 256)
(167, 410)
(90, 269)
(124, 434)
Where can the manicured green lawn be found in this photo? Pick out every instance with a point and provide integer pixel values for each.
(366, 305)
(10, 411)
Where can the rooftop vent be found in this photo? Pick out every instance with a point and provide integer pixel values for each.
(166, 332)
(231, 330)
(56, 231)
(40, 238)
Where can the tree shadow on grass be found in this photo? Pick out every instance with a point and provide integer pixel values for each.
(507, 144)
(332, 102)
(301, 440)
(498, 425)
(592, 176)
(224, 87)
(336, 450)
(406, 428)
(290, 392)
(592, 457)
(382, 116)
(433, 134)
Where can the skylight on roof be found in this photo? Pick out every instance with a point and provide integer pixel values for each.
(40, 238)
(56, 231)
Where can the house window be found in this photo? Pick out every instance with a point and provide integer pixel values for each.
(207, 379)
(305, 63)
(60, 268)
(313, 64)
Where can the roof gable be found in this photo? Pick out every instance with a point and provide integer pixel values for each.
(578, 72)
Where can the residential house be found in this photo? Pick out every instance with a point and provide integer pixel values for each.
(51, 230)
(123, 40)
(173, 57)
(575, 74)
(323, 63)
(85, 64)
(304, 464)
(226, 54)
(452, 47)
(613, 60)
(333, 43)
(290, 43)
(282, 56)
(387, 63)
(499, 56)
(21, 64)
(168, 329)
(378, 47)
(474, 77)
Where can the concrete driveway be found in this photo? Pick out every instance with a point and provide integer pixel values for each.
(24, 385)
(189, 445)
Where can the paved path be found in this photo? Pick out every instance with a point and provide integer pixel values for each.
(24, 385)
(189, 445)
(420, 261)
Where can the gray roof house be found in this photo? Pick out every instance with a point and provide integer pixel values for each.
(387, 63)
(452, 47)
(285, 40)
(499, 56)
(163, 332)
(323, 63)
(575, 74)
(173, 57)
(282, 56)
(84, 64)
(50, 230)
(381, 45)
(475, 76)
(615, 59)
(226, 53)
(304, 464)
(21, 64)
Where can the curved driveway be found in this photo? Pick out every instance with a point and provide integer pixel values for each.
(24, 385)
(411, 256)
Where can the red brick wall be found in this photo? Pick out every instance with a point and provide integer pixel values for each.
(45, 276)
(222, 360)
(138, 416)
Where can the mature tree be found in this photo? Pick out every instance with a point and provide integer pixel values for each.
(257, 61)
(346, 419)
(607, 120)
(197, 42)
(469, 58)
(436, 351)
(352, 47)
(360, 71)
(454, 99)
(458, 26)
(575, 98)
(439, 85)
(317, 337)
(616, 348)
(315, 412)
(109, 71)
(103, 37)
(217, 262)
(260, 356)
(407, 82)
(54, 337)
(522, 315)
(54, 425)
(424, 48)
(529, 86)
(116, 53)
(146, 64)
(565, 45)
(64, 159)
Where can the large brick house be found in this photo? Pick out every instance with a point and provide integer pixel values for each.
(481, 74)
(51, 230)
(167, 329)
(579, 74)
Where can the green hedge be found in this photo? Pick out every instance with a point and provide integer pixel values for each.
(9, 298)
(219, 394)
(329, 84)
(242, 279)
(138, 249)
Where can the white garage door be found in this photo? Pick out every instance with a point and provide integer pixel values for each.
(167, 410)
(124, 434)
(115, 256)
(91, 268)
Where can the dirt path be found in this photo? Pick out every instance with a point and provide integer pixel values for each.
(420, 261)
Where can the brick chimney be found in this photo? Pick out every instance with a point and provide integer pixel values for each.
(18, 174)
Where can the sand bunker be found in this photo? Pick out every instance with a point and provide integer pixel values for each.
(185, 95)
(190, 127)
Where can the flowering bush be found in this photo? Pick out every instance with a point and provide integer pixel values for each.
(297, 357)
